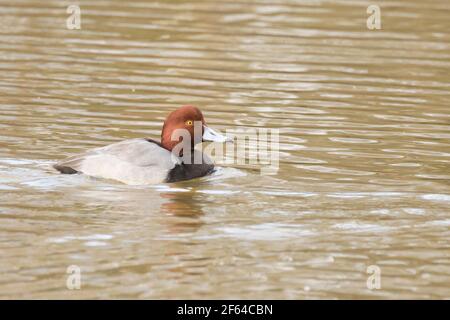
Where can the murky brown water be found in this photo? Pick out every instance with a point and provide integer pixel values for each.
(364, 166)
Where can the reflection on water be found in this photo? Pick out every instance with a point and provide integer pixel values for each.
(364, 149)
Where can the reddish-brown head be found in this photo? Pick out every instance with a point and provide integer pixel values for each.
(183, 118)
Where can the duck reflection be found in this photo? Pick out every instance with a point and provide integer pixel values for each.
(184, 212)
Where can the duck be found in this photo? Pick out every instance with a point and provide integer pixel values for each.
(143, 161)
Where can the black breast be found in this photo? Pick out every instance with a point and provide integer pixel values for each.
(189, 171)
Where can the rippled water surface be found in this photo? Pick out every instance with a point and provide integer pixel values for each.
(364, 149)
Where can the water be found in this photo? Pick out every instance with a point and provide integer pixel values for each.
(364, 149)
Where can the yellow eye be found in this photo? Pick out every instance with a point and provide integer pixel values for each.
(188, 123)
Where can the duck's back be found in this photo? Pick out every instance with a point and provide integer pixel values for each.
(134, 161)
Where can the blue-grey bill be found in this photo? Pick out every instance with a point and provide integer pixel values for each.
(211, 135)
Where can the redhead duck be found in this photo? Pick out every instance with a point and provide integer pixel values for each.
(145, 161)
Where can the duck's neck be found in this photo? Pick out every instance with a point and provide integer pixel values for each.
(176, 146)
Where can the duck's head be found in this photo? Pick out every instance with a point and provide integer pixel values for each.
(187, 125)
